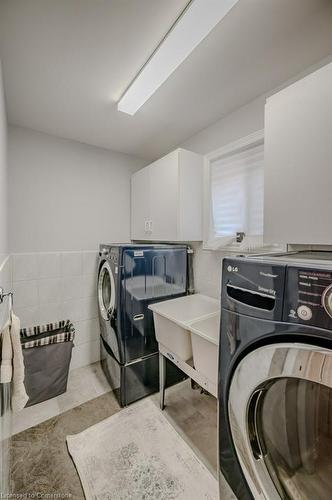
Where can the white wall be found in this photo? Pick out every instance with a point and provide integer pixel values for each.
(65, 199)
(3, 175)
(51, 286)
(65, 195)
(5, 271)
(240, 123)
(244, 121)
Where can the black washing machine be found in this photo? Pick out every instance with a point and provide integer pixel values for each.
(130, 278)
(275, 376)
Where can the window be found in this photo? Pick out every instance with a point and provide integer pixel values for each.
(235, 195)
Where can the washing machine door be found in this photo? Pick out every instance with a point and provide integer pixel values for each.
(106, 291)
(280, 413)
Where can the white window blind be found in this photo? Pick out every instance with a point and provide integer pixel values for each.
(237, 198)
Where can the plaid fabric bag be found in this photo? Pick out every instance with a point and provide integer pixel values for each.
(47, 351)
(52, 333)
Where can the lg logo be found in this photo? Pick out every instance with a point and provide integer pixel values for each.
(232, 269)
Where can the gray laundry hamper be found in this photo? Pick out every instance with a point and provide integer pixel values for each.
(47, 353)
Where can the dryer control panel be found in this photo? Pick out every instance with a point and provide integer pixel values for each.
(308, 297)
(253, 289)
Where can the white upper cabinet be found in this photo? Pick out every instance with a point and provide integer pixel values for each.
(166, 199)
(298, 162)
(164, 178)
(140, 203)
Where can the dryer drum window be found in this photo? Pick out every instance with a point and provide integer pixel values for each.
(295, 434)
(284, 416)
(106, 292)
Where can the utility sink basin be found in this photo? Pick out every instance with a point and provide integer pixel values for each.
(173, 318)
(205, 342)
(172, 336)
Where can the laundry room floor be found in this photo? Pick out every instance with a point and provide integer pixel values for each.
(85, 383)
(194, 416)
(40, 461)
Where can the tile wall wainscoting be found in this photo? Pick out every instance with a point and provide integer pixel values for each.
(207, 270)
(5, 272)
(52, 286)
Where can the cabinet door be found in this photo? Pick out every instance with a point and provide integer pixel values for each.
(140, 204)
(164, 198)
(298, 162)
(190, 213)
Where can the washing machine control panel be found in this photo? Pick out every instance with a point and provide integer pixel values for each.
(113, 255)
(308, 297)
(110, 253)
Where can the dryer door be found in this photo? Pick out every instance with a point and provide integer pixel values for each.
(280, 413)
(106, 291)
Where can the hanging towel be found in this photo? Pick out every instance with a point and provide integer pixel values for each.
(12, 364)
(19, 395)
(6, 368)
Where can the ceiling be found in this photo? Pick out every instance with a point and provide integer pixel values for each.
(67, 62)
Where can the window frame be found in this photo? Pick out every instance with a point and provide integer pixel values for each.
(251, 140)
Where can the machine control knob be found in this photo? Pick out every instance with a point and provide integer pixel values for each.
(327, 300)
(304, 312)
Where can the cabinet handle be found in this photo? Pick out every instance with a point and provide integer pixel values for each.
(150, 226)
(146, 226)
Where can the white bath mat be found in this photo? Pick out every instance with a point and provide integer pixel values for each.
(137, 455)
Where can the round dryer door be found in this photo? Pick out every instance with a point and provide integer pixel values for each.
(106, 291)
(280, 412)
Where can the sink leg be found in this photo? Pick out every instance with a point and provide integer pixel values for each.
(162, 380)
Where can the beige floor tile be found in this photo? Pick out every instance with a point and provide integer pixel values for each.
(40, 461)
(99, 379)
(194, 415)
(84, 384)
(34, 415)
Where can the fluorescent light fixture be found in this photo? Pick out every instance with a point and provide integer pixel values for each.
(198, 19)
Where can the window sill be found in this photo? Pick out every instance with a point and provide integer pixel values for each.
(236, 249)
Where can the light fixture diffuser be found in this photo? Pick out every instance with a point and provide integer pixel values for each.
(200, 17)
